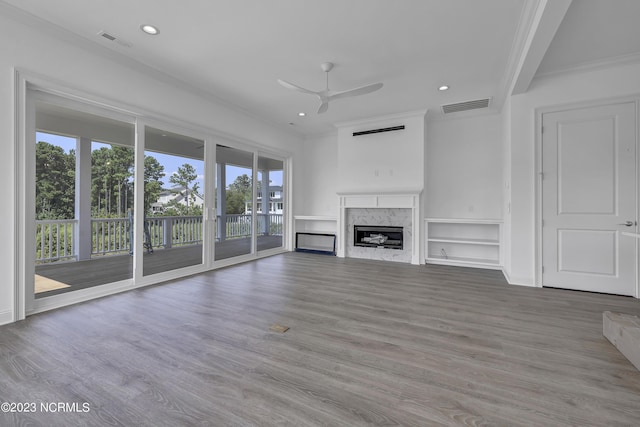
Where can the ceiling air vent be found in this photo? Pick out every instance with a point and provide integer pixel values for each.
(106, 36)
(466, 106)
(113, 38)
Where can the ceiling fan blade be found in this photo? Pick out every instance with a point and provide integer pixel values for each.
(296, 87)
(355, 92)
(324, 106)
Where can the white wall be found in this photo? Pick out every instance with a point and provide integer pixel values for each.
(58, 56)
(316, 177)
(464, 168)
(388, 161)
(584, 86)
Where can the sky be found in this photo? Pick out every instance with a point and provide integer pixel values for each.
(171, 163)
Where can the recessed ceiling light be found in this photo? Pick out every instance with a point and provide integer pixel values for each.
(150, 29)
(302, 114)
(443, 88)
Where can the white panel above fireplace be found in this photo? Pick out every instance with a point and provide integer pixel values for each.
(355, 201)
(388, 199)
(385, 161)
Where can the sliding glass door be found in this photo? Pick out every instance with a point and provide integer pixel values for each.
(84, 189)
(113, 201)
(270, 203)
(174, 201)
(250, 203)
(234, 202)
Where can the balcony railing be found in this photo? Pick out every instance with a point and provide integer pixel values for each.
(239, 225)
(274, 227)
(109, 235)
(55, 238)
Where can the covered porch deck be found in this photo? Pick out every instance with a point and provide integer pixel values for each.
(61, 277)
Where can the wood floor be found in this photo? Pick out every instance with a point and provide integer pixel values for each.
(370, 343)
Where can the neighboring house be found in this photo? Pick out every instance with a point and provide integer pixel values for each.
(178, 195)
(276, 201)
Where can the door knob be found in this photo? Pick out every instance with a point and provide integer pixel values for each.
(628, 223)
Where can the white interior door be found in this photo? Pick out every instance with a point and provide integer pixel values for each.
(589, 198)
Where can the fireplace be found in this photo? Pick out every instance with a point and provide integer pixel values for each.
(395, 211)
(377, 236)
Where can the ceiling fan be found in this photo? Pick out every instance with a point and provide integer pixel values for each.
(329, 95)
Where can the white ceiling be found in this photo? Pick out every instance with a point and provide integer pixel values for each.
(235, 50)
(594, 32)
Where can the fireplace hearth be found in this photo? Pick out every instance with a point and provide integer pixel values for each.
(374, 236)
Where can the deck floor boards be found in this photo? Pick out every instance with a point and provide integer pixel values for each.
(101, 270)
(370, 343)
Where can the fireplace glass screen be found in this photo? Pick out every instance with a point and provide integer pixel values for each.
(377, 236)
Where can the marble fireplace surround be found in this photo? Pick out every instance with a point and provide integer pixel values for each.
(399, 208)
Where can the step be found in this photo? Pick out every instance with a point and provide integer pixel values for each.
(623, 331)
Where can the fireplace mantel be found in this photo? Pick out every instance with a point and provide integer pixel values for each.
(387, 200)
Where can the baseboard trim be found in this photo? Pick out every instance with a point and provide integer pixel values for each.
(506, 276)
(6, 317)
(518, 281)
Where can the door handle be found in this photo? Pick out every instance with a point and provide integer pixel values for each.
(628, 223)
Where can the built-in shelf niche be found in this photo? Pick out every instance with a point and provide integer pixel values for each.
(316, 234)
(464, 242)
(315, 224)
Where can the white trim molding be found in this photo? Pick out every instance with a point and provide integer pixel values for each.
(518, 281)
(6, 317)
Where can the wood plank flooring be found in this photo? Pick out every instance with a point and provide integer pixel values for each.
(370, 343)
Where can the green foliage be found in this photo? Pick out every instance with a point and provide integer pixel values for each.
(153, 173)
(183, 178)
(235, 202)
(111, 181)
(112, 170)
(55, 182)
(174, 208)
(242, 184)
(238, 192)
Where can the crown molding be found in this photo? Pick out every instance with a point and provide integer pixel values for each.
(616, 61)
